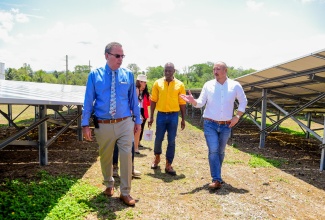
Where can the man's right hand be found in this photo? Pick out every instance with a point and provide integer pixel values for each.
(188, 98)
(150, 122)
(86, 131)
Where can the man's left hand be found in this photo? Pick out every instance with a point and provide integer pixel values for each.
(233, 121)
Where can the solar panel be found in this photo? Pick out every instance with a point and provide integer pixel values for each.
(300, 79)
(33, 93)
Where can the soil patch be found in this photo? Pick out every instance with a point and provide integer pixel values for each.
(295, 190)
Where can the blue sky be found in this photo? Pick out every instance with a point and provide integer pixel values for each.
(243, 33)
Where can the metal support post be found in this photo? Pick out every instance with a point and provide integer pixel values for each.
(263, 118)
(80, 136)
(308, 124)
(42, 136)
(10, 115)
(322, 160)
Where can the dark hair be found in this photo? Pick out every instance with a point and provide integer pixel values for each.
(109, 46)
(170, 64)
(145, 91)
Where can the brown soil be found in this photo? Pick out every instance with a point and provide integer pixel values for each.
(293, 191)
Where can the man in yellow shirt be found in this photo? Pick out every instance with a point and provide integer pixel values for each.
(165, 97)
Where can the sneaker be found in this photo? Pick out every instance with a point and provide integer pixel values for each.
(115, 171)
(136, 173)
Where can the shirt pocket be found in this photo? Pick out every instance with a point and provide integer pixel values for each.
(123, 90)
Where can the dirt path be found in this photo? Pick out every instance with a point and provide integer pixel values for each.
(293, 191)
(248, 193)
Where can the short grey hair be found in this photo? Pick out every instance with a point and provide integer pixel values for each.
(109, 46)
(223, 63)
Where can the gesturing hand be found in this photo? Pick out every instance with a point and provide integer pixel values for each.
(188, 98)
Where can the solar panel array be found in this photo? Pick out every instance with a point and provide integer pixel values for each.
(33, 93)
(292, 83)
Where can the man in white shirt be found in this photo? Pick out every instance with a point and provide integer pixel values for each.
(218, 96)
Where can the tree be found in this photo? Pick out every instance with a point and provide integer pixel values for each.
(39, 76)
(82, 69)
(201, 69)
(24, 73)
(134, 68)
(11, 74)
(27, 70)
(50, 78)
(155, 72)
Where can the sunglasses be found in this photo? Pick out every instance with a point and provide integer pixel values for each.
(117, 55)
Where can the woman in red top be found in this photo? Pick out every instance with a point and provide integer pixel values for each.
(144, 101)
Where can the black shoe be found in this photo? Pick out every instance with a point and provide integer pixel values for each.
(141, 146)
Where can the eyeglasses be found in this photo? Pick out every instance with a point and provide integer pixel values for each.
(117, 55)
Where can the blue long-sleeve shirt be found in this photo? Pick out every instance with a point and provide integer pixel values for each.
(98, 95)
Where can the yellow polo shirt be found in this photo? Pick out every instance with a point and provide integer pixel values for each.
(167, 95)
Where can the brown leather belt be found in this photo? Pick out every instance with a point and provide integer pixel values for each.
(112, 121)
(218, 122)
(167, 112)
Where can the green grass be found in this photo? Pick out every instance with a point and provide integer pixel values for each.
(234, 162)
(291, 127)
(293, 132)
(260, 161)
(48, 197)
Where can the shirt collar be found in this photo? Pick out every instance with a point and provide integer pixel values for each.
(166, 80)
(226, 82)
(109, 70)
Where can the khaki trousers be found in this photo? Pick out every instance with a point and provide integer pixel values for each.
(122, 134)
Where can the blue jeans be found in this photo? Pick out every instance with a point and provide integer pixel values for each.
(166, 122)
(216, 137)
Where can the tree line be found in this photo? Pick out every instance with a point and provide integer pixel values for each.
(192, 76)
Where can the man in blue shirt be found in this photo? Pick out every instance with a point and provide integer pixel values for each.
(111, 97)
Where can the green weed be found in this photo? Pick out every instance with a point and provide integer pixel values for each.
(48, 197)
(260, 161)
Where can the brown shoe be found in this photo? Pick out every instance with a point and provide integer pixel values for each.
(128, 200)
(169, 169)
(156, 161)
(109, 191)
(215, 185)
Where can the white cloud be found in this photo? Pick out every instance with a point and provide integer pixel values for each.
(307, 1)
(21, 18)
(201, 23)
(253, 5)
(47, 50)
(145, 8)
(7, 22)
(274, 14)
(181, 36)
